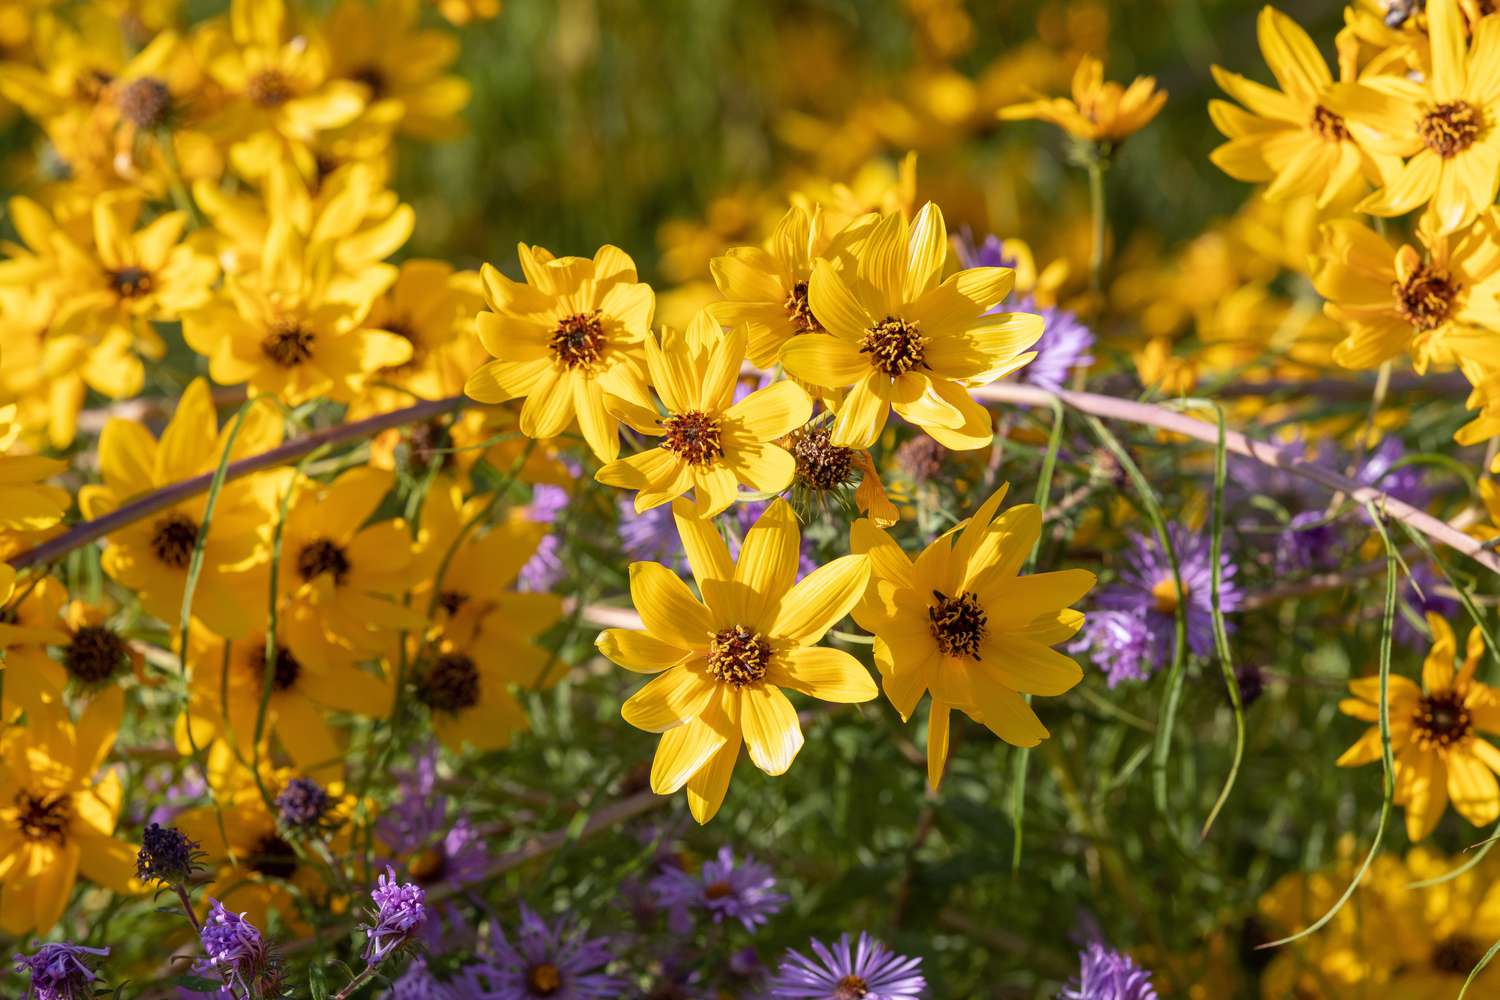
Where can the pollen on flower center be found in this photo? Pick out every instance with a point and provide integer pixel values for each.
(895, 346)
(146, 103)
(269, 89)
(1166, 596)
(173, 540)
(738, 656)
(799, 310)
(95, 655)
(821, 465)
(578, 340)
(43, 817)
(694, 437)
(1328, 125)
(321, 556)
(544, 979)
(957, 623)
(288, 344)
(273, 857)
(1441, 719)
(451, 684)
(1457, 954)
(851, 987)
(1450, 128)
(130, 282)
(1425, 298)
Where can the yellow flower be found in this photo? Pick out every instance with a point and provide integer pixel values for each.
(57, 818)
(963, 623)
(1435, 740)
(341, 577)
(278, 78)
(1444, 124)
(462, 12)
(766, 288)
(1100, 111)
(1289, 137)
(151, 556)
(381, 47)
(26, 503)
(286, 334)
(721, 662)
(901, 340)
(93, 654)
(710, 444)
(1439, 305)
(572, 332)
(32, 625)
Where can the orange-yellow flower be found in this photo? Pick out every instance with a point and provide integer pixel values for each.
(1100, 111)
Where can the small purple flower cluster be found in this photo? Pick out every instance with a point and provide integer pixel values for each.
(60, 971)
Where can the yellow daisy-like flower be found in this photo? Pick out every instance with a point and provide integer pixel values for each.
(285, 333)
(1437, 305)
(151, 556)
(901, 340)
(429, 306)
(93, 653)
(710, 444)
(960, 621)
(1445, 124)
(31, 626)
(382, 47)
(572, 332)
(1100, 111)
(766, 288)
(340, 577)
(57, 815)
(722, 661)
(26, 503)
(1289, 137)
(1439, 754)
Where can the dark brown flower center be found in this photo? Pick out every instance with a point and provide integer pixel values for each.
(284, 672)
(822, 465)
(426, 447)
(1457, 954)
(429, 866)
(372, 77)
(288, 344)
(1328, 126)
(851, 987)
(544, 979)
(799, 311)
(578, 340)
(95, 655)
(1450, 128)
(174, 539)
(145, 103)
(130, 282)
(693, 437)
(738, 656)
(718, 890)
(43, 817)
(269, 89)
(1425, 298)
(320, 556)
(895, 346)
(1441, 719)
(957, 623)
(451, 684)
(452, 600)
(273, 857)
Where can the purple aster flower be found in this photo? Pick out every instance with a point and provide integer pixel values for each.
(989, 253)
(1119, 642)
(1310, 542)
(173, 797)
(544, 569)
(726, 889)
(1104, 974)
(1378, 469)
(1147, 591)
(1064, 345)
(651, 536)
(418, 983)
(60, 971)
(868, 970)
(547, 960)
(547, 502)
(235, 949)
(399, 912)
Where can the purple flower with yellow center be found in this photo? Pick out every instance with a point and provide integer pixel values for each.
(1105, 974)
(1064, 345)
(399, 912)
(547, 960)
(725, 889)
(1147, 592)
(865, 970)
(60, 971)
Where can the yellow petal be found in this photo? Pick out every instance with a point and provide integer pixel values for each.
(669, 700)
(768, 562)
(667, 608)
(772, 733)
(639, 651)
(828, 674)
(821, 599)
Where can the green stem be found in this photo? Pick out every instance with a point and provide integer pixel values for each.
(1097, 216)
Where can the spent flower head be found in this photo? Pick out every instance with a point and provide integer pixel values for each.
(166, 856)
